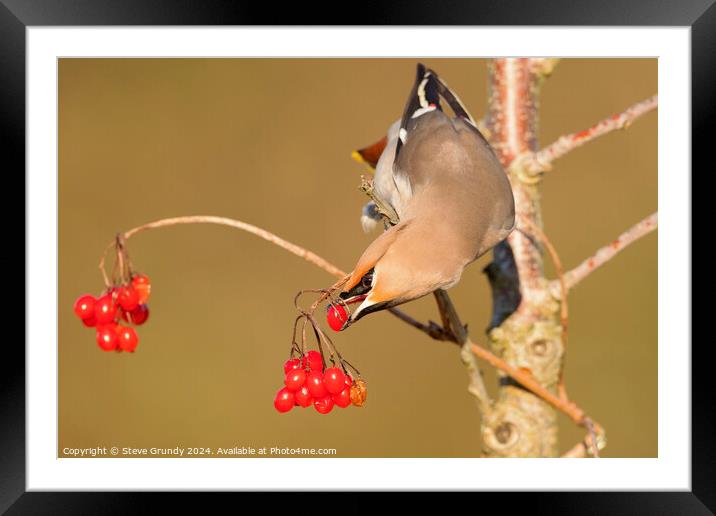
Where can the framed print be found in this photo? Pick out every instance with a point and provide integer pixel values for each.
(256, 261)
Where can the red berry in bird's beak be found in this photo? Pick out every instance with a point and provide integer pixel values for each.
(336, 316)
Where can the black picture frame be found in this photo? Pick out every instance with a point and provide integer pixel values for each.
(17, 15)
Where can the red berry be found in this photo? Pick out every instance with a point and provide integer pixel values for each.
(291, 364)
(313, 361)
(107, 338)
(128, 339)
(334, 379)
(323, 405)
(128, 298)
(349, 381)
(105, 309)
(140, 283)
(90, 321)
(295, 379)
(137, 316)
(84, 306)
(343, 398)
(314, 382)
(336, 317)
(284, 400)
(303, 397)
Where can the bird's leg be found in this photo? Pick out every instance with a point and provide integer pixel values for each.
(450, 317)
(443, 302)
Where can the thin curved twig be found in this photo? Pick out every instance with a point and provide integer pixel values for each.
(255, 230)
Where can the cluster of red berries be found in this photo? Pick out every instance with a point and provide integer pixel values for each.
(127, 302)
(308, 383)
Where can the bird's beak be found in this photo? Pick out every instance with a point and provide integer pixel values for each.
(357, 294)
(361, 286)
(369, 299)
(371, 154)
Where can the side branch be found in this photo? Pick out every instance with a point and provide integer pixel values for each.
(541, 161)
(606, 253)
(250, 228)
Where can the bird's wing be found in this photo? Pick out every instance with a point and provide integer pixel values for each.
(392, 183)
(456, 179)
(423, 97)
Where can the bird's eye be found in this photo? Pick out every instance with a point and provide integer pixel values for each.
(367, 280)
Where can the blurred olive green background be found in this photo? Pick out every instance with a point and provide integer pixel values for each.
(268, 141)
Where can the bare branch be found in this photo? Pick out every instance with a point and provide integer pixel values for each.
(606, 253)
(527, 381)
(432, 329)
(259, 232)
(541, 161)
(593, 442)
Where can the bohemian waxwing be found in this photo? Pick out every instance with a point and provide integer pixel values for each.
(451, 195)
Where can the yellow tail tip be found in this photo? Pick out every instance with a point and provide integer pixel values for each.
(359, 158)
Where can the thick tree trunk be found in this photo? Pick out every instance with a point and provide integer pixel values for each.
(525, 330)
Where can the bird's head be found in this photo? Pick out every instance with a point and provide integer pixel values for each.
(399, 266)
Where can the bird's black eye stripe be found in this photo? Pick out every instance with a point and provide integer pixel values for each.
(363, 286)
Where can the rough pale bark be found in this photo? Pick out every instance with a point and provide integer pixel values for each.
(525, 329)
